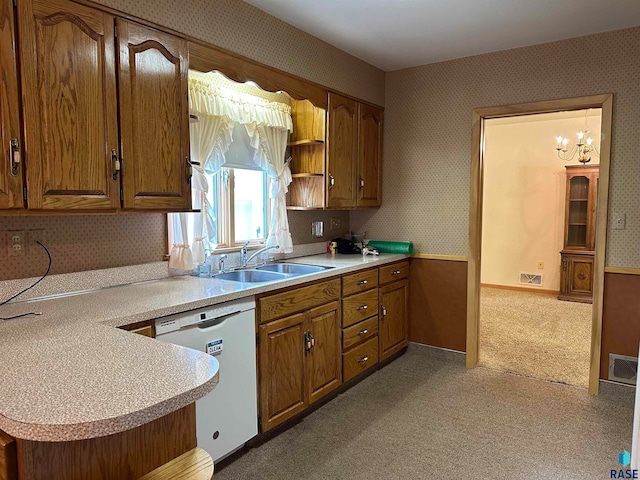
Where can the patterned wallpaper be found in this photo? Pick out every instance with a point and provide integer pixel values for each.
(91, 242)
(427, 142)
(86, 242)
(246, 30)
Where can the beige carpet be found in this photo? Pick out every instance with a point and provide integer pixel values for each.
(427, 417)
(535, 335)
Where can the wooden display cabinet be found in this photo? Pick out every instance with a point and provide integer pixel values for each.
(307, 150)
(577, 256)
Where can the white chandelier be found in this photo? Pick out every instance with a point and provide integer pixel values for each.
(583, 148)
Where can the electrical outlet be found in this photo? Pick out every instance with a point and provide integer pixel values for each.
(33, 236)
(540, 265)
(335, 223)
(618, 221)
(16, 243)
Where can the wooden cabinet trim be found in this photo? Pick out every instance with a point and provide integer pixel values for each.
(388, 272)
(10, 185)
(8, 457)
(298, 299)
(356, 308)
(359, 281)
(358, 333)
(359, 359)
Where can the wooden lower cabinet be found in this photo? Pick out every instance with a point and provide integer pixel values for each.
(8, 458)
(282, 370)
(127, 455)
(300, 362)
(576, 276)
(393, 334)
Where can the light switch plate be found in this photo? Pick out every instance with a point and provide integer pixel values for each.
(317, 229)
(618, 221)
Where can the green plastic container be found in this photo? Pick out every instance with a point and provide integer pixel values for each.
(392, 247)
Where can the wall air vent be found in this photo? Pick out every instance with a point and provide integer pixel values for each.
(623, 368)
(531, 279)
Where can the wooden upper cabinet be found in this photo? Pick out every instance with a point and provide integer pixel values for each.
(67, 57)
(10, 164)
(154, 118)
(342, 152)
(370, 157)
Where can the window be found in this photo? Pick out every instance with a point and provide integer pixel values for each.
(242, 206)
(240, 209)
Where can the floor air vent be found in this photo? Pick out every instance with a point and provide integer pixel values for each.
(531, 279)
(623, 368)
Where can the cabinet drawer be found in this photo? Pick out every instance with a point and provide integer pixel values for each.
(359, 282)
(298, 299)
(359, 359)
(359, 332)
(395, 271)
(358, 307)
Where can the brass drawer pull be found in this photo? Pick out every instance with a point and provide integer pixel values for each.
(363, 307)
(363, 359)
(363, 332)
(396, 272)
(581, 276)
(362, 282)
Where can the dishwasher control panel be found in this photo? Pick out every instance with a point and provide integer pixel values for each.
(203, 315)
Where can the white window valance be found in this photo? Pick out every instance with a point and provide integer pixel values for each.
(212, 94)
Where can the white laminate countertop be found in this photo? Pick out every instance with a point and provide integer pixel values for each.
(70, 375)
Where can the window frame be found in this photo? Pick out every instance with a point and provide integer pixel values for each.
(225, 214)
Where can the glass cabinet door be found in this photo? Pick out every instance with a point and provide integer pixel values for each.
(578, 212)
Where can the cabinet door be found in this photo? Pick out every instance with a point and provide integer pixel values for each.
(580, 275)
(324, 360)
(154, 118)
(342, 152)
(10, 173)
(282, 370)
(67, 58)
(370, 157)
(393, 318)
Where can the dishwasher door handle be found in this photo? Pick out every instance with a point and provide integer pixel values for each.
(215, 321)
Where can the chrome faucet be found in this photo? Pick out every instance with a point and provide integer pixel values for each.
(244, 260)
(221, 260)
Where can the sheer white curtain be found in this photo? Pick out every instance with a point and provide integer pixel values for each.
(219, 104)
(270, 144)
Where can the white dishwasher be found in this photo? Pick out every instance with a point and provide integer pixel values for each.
(228, 416)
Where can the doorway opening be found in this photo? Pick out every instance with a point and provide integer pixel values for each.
(535, 315)
(480, 117)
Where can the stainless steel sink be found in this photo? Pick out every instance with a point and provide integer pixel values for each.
(251, 276)
(292, 268)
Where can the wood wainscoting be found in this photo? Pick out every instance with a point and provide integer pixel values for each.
(621, 310)
(438, 301)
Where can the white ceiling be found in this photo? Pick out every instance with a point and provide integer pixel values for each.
(395, 34)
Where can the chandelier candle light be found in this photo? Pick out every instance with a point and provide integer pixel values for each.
(584, 147)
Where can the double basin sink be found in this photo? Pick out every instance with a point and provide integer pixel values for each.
(270, 272)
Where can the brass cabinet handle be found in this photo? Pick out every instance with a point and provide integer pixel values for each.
(14, 148)
(363, 332)
(309, 341)
(383, 310)
(361, 182)
(396, 272)
(115, 164)
(581, 276)
(332, 181)
(363, 307)
(189, 168)
(362, 282)
(363, 359)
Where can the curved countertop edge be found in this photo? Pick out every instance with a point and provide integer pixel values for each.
(164, 307)
(106, 426)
